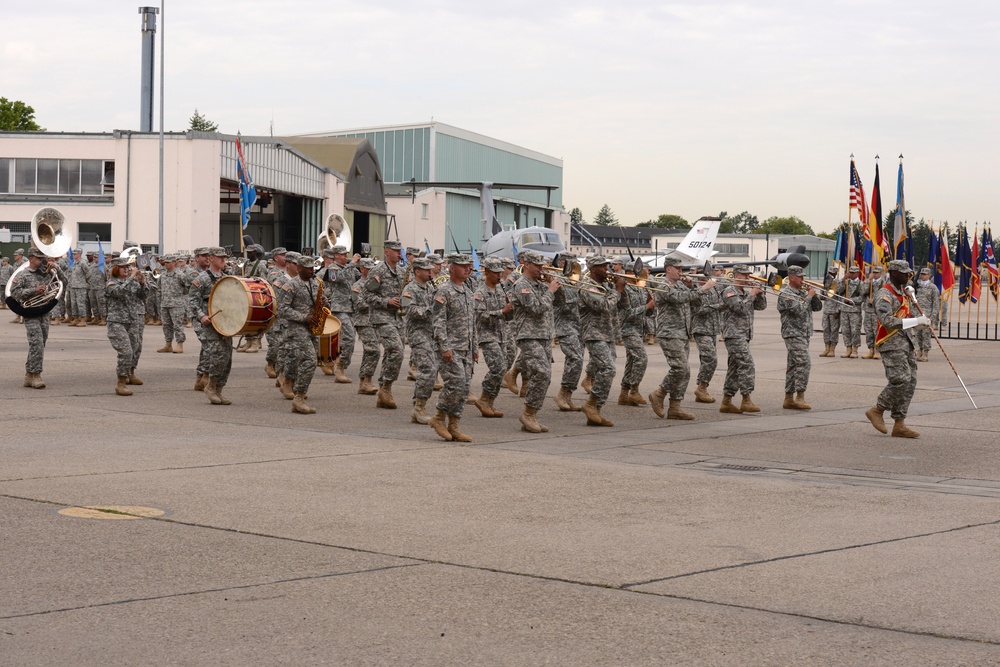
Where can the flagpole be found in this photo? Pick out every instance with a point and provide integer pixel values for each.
(913, 299)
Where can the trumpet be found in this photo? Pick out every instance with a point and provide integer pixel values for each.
(571, 275)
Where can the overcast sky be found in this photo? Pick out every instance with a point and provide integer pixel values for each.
(655, 107)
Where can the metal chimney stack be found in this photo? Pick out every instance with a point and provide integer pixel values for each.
(148, 62)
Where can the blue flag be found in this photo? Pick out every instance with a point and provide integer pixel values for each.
(475, 258)
(514, 246)
(402, 256)
(70, 261)
(100, 256)
(427, 246)
(248, 193)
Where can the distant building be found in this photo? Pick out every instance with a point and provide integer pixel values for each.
(611, 241)
(818, 249)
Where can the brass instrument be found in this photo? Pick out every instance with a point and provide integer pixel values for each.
(776, 282)
(49, 235)
(320, 312)
(571, 275)
(336, 233)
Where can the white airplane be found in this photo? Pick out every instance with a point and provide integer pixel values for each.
(696, 250)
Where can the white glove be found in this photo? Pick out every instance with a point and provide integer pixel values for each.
(909, 290)
(911, 322)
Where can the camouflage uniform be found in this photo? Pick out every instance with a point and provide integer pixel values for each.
(869, 289)
(276, 276)
(510, 341)
(850, 316)
(831, 319)
(705, 327)
(152, 304)
(598, 329)
(337, 284)
(930, 303)
(296, 306)
(95, 291)
(252, 269)
(632, 322)
(121, 295)
(533, 326)
(897, 352)
(218, 348)
(365, 331)
(737, 332)
(172, 305)
(491, 332)
(673, 332)
(796, 309)
(454, 330)
(79, 287)
(566, 326)
(37, 328)
(420, 333)
(383, 284)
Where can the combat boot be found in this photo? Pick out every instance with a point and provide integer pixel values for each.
(728, 407)
(877, 355)
(122, 387)
(747, 405)
(623, 398)
(635, 397)
(384, 398)
(470, 399)
(212, 392)
(846, 354)
(528, 421)
(437, 423)
(134, 379)
(800, 401)
(564, 399)
(242, 347)
(55, 321)
(493, 407)
(510, 379)
(701, 394)
(218, 392)
(27, 379)
(419, 413)
(789, 403)
(286, 388)
(201, 382)
(656, 401)
(854, 353)
(327, 370)
(366, 387)
(483, 405)
(871, 354)
(874, 415)
(675, 411)
(524, 389)
(588, 382)
(338, 373)
(457, 435)
(36, 381)
(593, 413)
(826, 351)
(270, 371)
(166, 348)
(79, 323)
(253, 347)
(901, 430)
(299, 405)
(179, 349)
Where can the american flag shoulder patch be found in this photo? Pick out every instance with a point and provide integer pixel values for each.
(440, 298)
(525, 290)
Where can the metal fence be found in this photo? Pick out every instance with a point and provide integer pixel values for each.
(970, 321)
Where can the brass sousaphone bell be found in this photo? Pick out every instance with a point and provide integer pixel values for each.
(48, 234)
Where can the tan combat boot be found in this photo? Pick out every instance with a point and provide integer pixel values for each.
(789, 403)
(565, 401)
(877, 355)
(827, 350)
(36, 381)
(244, 344)
(218, 392)
(701, 394)
(270, 371)
(253, 347)
(166, 348)
(593, 413)
(179, 349)
(510, 380)
(437, 423)
(854, 353)
(286, 388)
(299, 405)
(635, 397)
(27, 379)
(384, 398)
(438, 385)
(675, 411)
(338, 373)
(483, 405)
(201, 382)
(871, 354)
(326, 368)
(528, 421)
(470, 399)
(457, 435)
(366, 387)
(800, 401)
(122, 387)
(874, 415)
(747, 405)
(728, 407)
(623, 398)
(846, 354)
(493, 407)
(212, 392)
(656, 401)
(134, 379)
(411, 374)
(901, 430)
(419, 413)
(588, 382)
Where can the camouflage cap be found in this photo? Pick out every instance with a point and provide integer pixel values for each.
(673, 261)
(278, 251)
(339, 250)
(422, 263)
(129, 244)
(35, 252)
(305, 261)
(508, 262)
(531, 257)
(119, 261)
(925, 271)
(435, 258)
(328, 253)
(217, 251)
(291, 255)
(743, 269)
(796, 271)
(393, 245)
(493, 264)
(877, 268)
(854, 269)
(202, 251)
(19, 251)
(459, 258)
(367, 262)
(900, 265)
(596, 260)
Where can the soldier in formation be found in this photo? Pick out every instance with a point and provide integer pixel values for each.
(740, 300)
(850, 312)
(32, 282)
(633, 305)
(418, 304)
(124, 291)
(382, 292)
(492, 307)
(831, 316)
(870, 323)
(930, 304)
(598, 316)
(796, 306)
(455, 336)
(532, 326)
(218, 349)
(299, 310)
(173, 304)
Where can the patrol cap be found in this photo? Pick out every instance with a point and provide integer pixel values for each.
(392, 245)
(900, 265)
(925, 271)
(339, 250)
(742, 268)
(4, 259)
(508, 262)
(673, 261)
(329, 253)
(278, 251)
(459, 258)
(531, 257)
(368, 262)
(77, 251)
(19, 251)
(35, 252)
(854, 269)
(217, 251)
(877, 269)
(493, 264)
(410, 252)
(129, 244)
(305, 261)
(435, 258)
(119, 261)
(422, 263)
(291, 255)
(168, 258)
(596, 260)
(796, 271)
(621, 259)
(202, 251)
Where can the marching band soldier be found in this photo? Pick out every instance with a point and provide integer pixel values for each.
(382, 292)
(286, 369)
(6, 271)
(202, 262)
(566, 326)
(338, 279)
(455, 335)
(138, 312)
(298, 310)
(95, 290)
(418, 300)
(275, 274)
(492, 306)
(172, 305)
(18, 261)
(850, 313)
(31, 282)
(706, 324)
(896, 341)
(126, 286)
(796, 306)
(635, 302)
(868, 291)
(674, 298)
(532, 325)
(831, 317)
(366, 332)
(218, 348)
(737, 331)
(255, 267)
(598, 317)
(930, 303)
(78, 289)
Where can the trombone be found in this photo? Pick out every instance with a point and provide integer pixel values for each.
(776, 282)
(571, 275)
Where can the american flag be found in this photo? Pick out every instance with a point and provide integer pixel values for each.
(858, 196)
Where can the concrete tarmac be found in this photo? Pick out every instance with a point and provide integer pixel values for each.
(354, 537)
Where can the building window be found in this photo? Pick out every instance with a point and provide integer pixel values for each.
(423, 211)
(48, 177)
(5, 184)
(24, 176)
(57, 177)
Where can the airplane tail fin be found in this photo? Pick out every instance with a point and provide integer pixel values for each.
(700, 240)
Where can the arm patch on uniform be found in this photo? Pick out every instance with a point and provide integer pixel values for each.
(478, 297)
(440, 298)
(729, 293)
(525, 291)
(195, 283)
(286, 286)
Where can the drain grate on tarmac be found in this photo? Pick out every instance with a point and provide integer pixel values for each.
(731, 466)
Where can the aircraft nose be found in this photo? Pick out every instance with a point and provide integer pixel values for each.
(798, 259)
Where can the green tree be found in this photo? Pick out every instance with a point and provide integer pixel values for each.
(889, 225)
(576, 216)
(606, 217)
(667, 221)
(743, 223)
(789, 225)
(921, 233)
(828, 235)
(726, 226)
(201, 124)
(16, 116)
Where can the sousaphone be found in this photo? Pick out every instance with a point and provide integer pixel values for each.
(336, 233)
(48, 234)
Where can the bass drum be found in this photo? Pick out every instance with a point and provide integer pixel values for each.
(329, 341)
(241, 306)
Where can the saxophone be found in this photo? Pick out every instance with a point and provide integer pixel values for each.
(320, 312)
